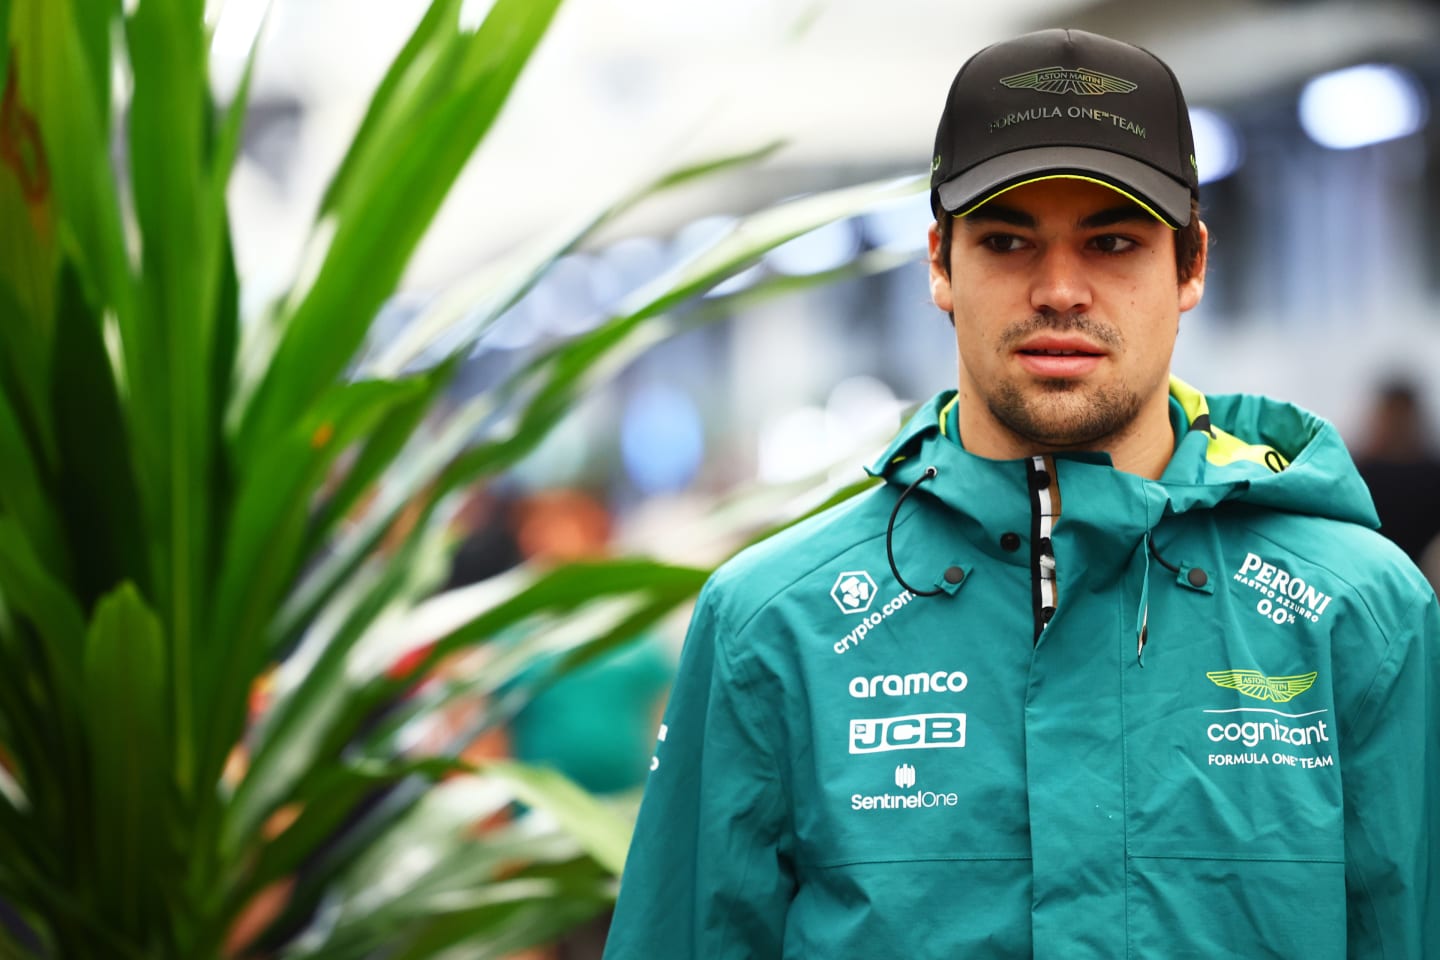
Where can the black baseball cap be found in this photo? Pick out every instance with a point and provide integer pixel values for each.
(1065, 103)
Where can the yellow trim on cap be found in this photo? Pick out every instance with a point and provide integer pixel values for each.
(1069, 176)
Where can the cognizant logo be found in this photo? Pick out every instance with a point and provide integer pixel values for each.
(1252, 733)
(896, 685)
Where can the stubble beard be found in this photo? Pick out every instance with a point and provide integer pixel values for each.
(1061, 413)
(1065, 414)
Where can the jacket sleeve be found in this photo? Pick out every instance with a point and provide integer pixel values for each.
(708, 874)
(1392, 800)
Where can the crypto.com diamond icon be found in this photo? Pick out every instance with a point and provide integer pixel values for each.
(905, 776)
(853, 592)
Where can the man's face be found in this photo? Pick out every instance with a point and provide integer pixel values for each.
(1066, 304)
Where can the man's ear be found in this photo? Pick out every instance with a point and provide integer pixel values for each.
(939, 273)
(1193, 289)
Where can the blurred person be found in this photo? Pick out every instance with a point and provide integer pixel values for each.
(595, 722)
(1429, 562)
(488, 546)
(1398, 462)
(1107, 666)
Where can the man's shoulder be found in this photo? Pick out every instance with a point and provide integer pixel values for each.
(1370, 565)
(819, 546)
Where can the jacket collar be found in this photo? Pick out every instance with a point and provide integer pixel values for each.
(1267, 453)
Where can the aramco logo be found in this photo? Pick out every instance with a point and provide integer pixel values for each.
(853, 592)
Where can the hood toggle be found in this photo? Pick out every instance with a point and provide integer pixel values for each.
(929, 474)
(1193, 578)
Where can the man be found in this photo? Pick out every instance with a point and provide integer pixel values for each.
(1402, 469)
(1107, 668)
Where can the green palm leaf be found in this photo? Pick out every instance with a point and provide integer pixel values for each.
(521, 412)
(425, 129)
(183, 513)
(125, 686)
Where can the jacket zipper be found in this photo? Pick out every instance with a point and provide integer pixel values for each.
(1044, 511)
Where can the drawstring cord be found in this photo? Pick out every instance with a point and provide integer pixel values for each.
(1142, 613)
(1156, 553)
(929, 474)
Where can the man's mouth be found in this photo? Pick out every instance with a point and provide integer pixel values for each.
(1059, 361)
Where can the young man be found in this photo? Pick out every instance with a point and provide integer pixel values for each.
(1107, 668)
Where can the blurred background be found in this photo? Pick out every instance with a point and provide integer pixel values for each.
(449, 600)
(1316, 137)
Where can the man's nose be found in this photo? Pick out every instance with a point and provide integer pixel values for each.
(1061, 282)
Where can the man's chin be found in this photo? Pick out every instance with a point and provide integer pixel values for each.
(1059, 384)
(1063, 414)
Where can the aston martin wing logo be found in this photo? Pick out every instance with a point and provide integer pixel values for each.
(1255, 684)
(1088, 83)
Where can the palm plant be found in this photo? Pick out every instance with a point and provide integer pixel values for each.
(177, 509)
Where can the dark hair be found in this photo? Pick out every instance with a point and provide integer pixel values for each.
(1187, 243)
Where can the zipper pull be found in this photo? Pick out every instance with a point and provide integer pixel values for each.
(1144, 632)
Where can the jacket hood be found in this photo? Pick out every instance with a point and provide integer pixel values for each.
(1229, 447)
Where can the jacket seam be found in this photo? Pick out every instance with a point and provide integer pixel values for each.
(1361, 705)
(1125, 751)
(957, 858)
(1355, 590)
(763, 724)
(771, 770)
(1393, 651)
(1222, 858)
(741, 669)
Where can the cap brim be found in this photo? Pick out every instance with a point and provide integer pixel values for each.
(1163, 197)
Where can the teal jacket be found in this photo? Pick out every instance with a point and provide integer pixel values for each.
(1110, 717)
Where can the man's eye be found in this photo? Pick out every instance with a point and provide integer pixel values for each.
(1002, 242)
(1110, 243)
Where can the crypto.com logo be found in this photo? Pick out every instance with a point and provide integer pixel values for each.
(853, 592)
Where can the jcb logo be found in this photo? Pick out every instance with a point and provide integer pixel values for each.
(920, 731)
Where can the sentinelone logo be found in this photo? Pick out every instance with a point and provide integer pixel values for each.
(904, 779)
(854, 592)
